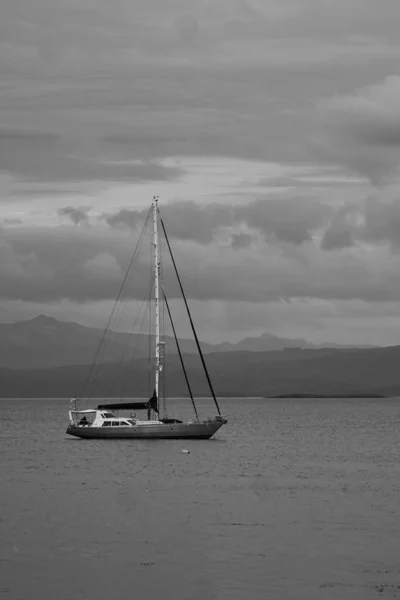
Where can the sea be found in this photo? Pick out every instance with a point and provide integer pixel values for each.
(293, 499)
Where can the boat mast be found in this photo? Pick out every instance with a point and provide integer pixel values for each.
(156, 297)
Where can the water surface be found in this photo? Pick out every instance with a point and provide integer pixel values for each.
(293, 499)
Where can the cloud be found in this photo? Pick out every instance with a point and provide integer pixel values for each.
(362, 131)
(34, 190)
(87, 89)
(374, 221)
(45, 157)
(343, 229)
(12, 221)
(382, 221)
(94, 91)
(131, 30)
(49, 264)
(241, 240)
(76, 215)
(183, 220)
(342, 19)
(190, 221)
(289, 220)
(125, 218)
(103, 265)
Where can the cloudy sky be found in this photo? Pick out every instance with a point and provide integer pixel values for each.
(270, 129)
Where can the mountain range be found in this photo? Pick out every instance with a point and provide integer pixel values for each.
(334, 372)
(44, 342)
(43, 357)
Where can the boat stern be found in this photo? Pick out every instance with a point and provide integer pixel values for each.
(221, 419)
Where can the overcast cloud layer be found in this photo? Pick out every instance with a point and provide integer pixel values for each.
(269, 129)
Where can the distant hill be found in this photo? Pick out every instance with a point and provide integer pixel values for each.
(267, 342)
(45, 342)
(315, 372)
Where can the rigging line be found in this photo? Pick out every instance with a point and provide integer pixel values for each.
(146, 302)
(102, 343)
(145, 305)
(191, 321)
(124, 283)
(115, 304)
(180, 354)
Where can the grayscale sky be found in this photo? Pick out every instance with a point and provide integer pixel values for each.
(270, 129)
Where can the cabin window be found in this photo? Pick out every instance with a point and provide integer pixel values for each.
(115, 423)
(106, 424)
(107, 415)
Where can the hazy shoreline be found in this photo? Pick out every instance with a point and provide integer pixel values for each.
(299, 396)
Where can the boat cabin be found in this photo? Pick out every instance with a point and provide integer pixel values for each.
(99, 418)
(114, 422)
(103, 418)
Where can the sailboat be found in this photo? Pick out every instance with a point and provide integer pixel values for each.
(106, 421)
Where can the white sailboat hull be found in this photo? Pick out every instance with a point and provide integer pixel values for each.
(152, 430)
